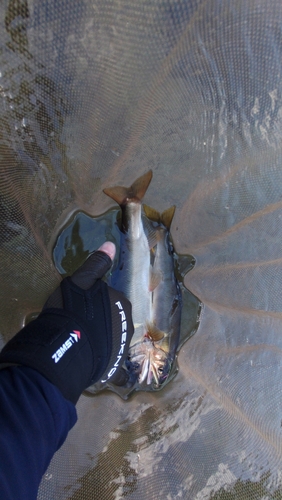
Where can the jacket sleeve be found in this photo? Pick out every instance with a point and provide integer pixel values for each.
(34, 420)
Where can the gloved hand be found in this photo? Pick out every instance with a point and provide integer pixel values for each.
(82, 334)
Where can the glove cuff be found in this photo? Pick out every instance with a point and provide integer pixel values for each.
(57, 346)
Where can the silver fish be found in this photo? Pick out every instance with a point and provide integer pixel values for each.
(133, 274)
(164, 327)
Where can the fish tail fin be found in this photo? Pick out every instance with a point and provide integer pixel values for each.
(165, 218)
(117, 193)
(152, 214)
(122, 195)
(140, 186)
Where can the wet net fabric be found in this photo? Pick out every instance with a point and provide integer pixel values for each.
(92, 94)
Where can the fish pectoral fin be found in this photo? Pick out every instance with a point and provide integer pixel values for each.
(144, 371)
(155, 333)
(151, 233)
(184, 264)
(155, 279)
(155, 373)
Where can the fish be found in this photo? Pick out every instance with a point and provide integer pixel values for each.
(145, 275)
(165, 319)
(133, 274)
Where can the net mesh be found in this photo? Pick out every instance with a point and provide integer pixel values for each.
(93, 93)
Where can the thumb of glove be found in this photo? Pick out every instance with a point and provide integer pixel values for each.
(95, 267)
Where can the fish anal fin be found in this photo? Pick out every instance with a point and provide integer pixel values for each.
(155, 279)
(154, 332)
(167, 216)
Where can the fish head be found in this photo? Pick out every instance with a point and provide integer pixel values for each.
(149, 362)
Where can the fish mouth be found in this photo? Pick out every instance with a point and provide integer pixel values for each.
(149, 363)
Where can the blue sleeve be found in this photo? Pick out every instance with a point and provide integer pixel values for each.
(34, 420)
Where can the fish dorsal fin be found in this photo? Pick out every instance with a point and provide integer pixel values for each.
(155, 279)
(155, 333)
(122, 195)
(151, 213)
(167, 216)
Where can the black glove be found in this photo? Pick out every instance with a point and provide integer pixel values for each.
(81, 336)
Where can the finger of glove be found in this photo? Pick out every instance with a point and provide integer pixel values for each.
(93, 268)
